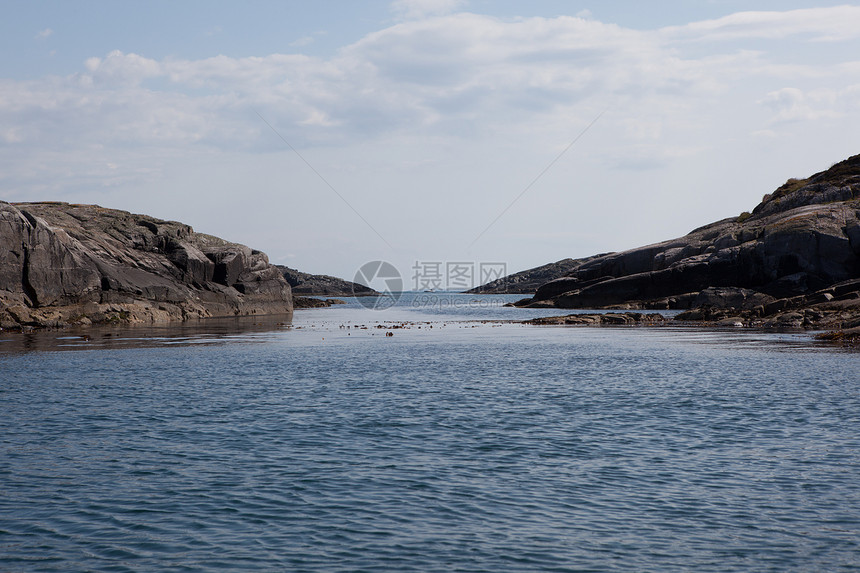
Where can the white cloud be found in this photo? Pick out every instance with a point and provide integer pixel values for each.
(413, 9)
(836, 23)
(44, 34)
(117, 67)
(451, 75)
(462, 107)
(792, 104)
(12, 135)
(303, 41)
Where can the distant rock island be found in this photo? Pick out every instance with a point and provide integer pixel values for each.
(322, 285)
(527, 282)
(64, 264)
(794, 261)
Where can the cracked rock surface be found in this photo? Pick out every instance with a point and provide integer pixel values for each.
(66, 264)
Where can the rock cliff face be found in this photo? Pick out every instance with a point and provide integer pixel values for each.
(82, 264)
(803, 240)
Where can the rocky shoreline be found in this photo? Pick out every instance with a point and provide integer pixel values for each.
(310, 302)
(793, 262)
(65, 264)
(850, 336)
(602, 319)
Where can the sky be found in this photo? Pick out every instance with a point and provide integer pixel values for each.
(329, 134)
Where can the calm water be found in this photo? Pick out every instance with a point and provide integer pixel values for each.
(324, 445)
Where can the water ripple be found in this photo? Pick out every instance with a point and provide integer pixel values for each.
(508, 449)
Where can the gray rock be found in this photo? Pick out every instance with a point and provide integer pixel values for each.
(84, 264)
(323, 285)
(609, 319)
(528, 281)
(802, 238)
(731, 297)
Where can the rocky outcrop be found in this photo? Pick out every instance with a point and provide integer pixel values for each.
(82, 264)
(322, 285)
(803, 239)
(528, 281)
(602, 319)
(836, 307)
(311, 302)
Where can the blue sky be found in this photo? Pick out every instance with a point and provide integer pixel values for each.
(419, 122)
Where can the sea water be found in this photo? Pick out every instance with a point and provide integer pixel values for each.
(458, 442)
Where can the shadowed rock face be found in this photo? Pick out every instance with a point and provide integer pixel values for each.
(802, 238)
(81, 264)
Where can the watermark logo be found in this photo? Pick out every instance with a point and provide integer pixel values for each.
(455, 275)
(441, 302)
(385, 278)
(447, 278)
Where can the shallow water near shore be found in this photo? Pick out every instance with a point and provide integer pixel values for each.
(461, 442)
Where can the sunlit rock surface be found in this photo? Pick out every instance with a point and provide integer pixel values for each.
(81, 264)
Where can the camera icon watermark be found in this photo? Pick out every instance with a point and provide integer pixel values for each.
(445, 278)
(383, 276)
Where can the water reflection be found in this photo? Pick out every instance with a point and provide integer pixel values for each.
(451, 316)
(203, 331)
